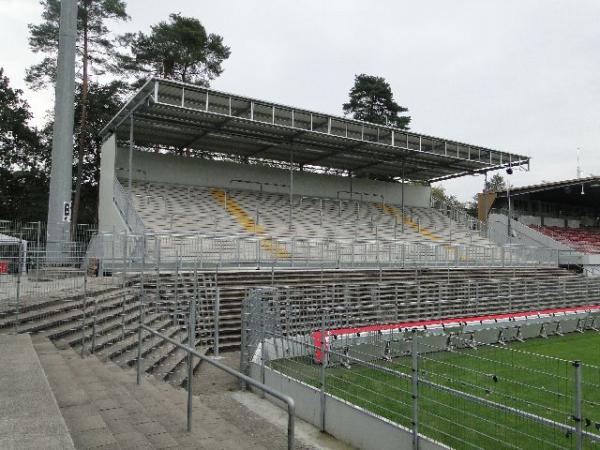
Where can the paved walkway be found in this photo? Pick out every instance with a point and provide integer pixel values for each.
(29, 414)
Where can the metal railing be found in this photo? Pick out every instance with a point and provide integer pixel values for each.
(127, 209)
(244, 378)
(472, 224)
(265, 251)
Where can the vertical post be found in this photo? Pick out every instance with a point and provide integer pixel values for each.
(216, 313)
(130, 174)
(402, 187)
(140, 361)
(324, 361)
(262, 344)
(62, 142)
(414, 351)
(291, 187)
(508, 225)
(578, 417)
(93, 344)
(83, 311)
(18, 293)
(190, 374)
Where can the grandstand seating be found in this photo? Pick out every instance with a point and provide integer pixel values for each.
(167, 207)
(585, 240)
(116, 309)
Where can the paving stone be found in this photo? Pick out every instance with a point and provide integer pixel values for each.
(89, 439)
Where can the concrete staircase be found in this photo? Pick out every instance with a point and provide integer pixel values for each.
(104, 408)
(116, 312)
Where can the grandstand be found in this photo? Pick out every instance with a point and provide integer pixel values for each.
(563, 215)
(229, 224)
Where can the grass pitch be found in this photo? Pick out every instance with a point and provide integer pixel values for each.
(536, 376)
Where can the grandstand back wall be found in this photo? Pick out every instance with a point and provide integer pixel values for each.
(201, 172)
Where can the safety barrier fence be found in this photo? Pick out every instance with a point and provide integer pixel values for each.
(35, 231)
(124, 204)
(115, 249)
(460, 217)
(441, 385)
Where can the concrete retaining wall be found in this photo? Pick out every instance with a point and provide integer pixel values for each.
(109, 217)
(348, 423)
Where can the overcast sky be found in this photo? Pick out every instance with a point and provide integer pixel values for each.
(520, 76)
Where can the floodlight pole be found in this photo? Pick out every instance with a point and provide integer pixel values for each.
(59, 200)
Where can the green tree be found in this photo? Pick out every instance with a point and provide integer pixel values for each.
(439, 193)
(95, 50)
(496, 183)
(371, 99)
(178, 49)
(23, 157)
(95, 43)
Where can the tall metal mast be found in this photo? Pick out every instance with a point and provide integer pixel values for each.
(59, 202)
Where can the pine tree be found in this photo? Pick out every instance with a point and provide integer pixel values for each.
(178, 49)
(372, 100)
(95, 50)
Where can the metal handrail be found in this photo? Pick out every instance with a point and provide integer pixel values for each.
(246, 379)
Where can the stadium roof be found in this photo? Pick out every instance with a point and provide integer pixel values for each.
(181, 115)
(592, 181)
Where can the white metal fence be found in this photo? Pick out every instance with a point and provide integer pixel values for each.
(115, 250)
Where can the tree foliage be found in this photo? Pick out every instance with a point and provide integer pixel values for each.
(178, 49)
(371, 99)
(23, 158)
(93, 16)
(439, 193)
(496, 183)
(95, 53)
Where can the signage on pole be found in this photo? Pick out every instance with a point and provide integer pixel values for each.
(67, 212)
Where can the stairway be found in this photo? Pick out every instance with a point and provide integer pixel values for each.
(104, 408)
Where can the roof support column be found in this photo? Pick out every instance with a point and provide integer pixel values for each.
(291, 187)
(350, 176)
(130, 170)
(402, 206)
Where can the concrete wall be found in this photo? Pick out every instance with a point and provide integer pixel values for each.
(497, 229)
(199, 172)
(530, 220)
(346, 422)
(109, 217)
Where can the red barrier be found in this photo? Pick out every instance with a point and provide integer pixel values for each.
(316, 335)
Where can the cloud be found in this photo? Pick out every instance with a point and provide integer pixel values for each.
(519, 76)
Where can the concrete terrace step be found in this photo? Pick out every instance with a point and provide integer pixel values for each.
(150, 348)
(53, 308)
(106, 314)
(105, 409)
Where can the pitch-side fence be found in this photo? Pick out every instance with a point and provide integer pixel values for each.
(465, 395)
